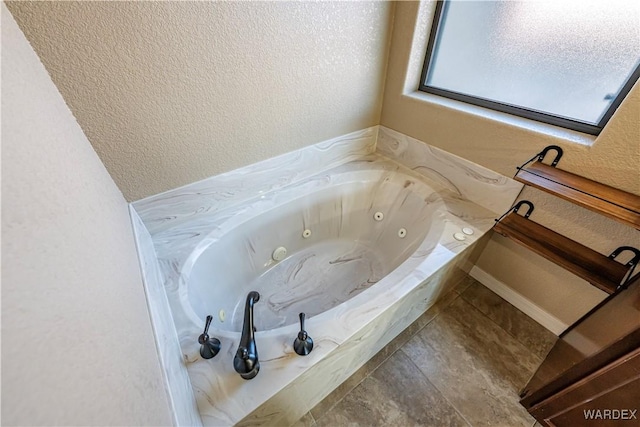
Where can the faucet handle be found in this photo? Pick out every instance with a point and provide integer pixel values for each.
(209, 347)
(303, 343)
(207, 324)
(302, 331)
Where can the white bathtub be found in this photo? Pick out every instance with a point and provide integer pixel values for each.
(360, 281)
(345, 250)
(356, 279)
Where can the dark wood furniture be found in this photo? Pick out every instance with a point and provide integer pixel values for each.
(599, 270)
(602, 271)
(592, 374)
(603, 199)
(594, 366)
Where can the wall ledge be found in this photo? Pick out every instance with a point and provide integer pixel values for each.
(544, 129)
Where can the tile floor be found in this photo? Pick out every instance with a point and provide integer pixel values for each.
(462, 363)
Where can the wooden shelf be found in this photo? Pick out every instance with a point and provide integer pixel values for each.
(602, 272)
(616, 204)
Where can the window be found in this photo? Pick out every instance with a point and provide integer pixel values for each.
(565, 63)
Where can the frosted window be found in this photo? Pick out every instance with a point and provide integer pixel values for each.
(562, 61)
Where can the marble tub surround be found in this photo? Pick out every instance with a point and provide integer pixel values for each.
(328, 372)
(471, 181)
(200, 199)
(345, 335)
(181, 398)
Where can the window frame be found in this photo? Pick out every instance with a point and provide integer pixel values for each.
(577, 125)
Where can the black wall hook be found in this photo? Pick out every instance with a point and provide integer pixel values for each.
(515, 208)
(524, 202)
(544, 152)
(631, 264)
(633, 261)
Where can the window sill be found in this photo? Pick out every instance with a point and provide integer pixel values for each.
(504, 118)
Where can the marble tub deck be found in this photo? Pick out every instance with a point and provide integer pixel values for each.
(462, 363)
(344, 338)
(172, 226)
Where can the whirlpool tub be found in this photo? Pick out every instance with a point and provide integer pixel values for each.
(362, 248)
(335, 243)
(366, 254)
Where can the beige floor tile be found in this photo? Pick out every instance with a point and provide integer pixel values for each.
(475, 364)
(396, 394)
(524, 329)
(343, 389)
(463, 361)
(306, 421)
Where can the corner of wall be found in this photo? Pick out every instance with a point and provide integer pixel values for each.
(72, 297)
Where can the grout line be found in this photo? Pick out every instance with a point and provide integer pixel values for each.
(330, 408)
(500, 326)
(395, 351)
(452, 291)
(538, 360)
(503, 329)
(459, 295)
(528, 307)
(439, 391)
(365, 377)
(313, 419)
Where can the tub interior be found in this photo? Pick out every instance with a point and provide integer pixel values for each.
(347, 252)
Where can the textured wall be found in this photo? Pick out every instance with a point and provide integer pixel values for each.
(173, 92)
(77, 344)
(501, 145)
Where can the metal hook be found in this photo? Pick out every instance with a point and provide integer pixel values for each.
(547, 149)
(634, 261)
(515, 209)
(631, 264)
(529, 206)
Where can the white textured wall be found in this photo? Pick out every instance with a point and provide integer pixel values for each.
(613, 158)
(77, 344)
(173, 92)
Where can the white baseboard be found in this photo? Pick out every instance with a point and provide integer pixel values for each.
(538, 314)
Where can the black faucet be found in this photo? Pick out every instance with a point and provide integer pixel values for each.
(246, 360)
(209, 347)
(303, 344)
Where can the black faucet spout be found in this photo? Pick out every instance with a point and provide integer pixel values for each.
(246, 361)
